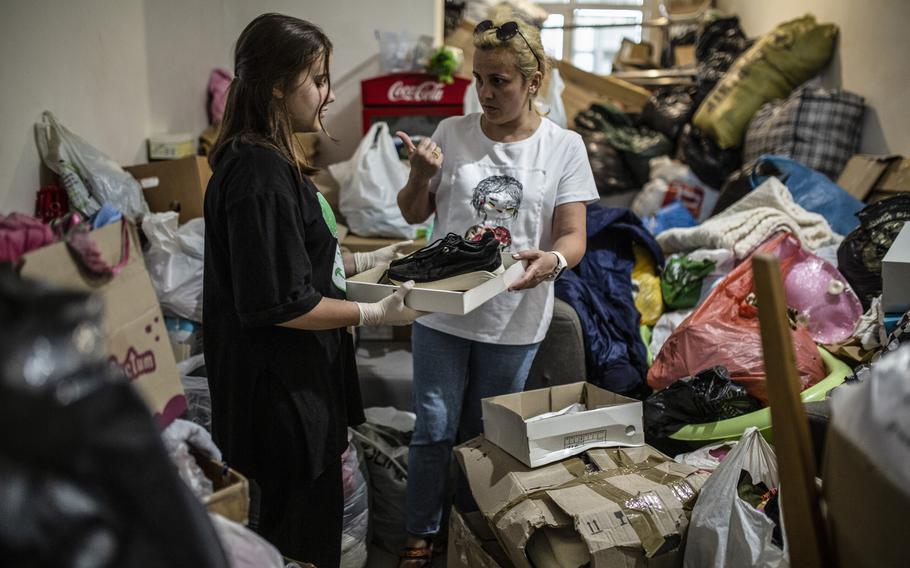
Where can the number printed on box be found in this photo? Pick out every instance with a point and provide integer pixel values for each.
(576, 440)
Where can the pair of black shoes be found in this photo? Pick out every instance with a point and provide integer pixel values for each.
(450, 263)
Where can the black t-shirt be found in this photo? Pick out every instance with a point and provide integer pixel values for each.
(281, 398)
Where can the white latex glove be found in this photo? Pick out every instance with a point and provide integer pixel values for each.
(385, 255)
(389, 310)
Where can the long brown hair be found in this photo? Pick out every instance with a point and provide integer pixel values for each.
(271, 53)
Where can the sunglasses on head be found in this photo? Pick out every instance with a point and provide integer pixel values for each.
(506, 32)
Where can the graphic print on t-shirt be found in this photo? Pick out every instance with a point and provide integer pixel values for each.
(329, 217)
(496, 200)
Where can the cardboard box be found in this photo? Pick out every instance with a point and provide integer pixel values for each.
(472, 544)
(364, 287)
(171, 146)
(896, 274)
(623, 507)
(866, 511)
(684, 56)
(874, 178)
(583, 88)
(610, 420)
(174, 185)
(231, 498)
(135, 335)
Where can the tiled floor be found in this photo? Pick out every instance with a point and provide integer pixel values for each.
(385, 373)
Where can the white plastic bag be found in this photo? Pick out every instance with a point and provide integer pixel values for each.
(243, 547)
(551, 101)
(175, 262)
(369, 183)
(471, 100)
(88, 175)
(873, 415)
(664, 328)
(725, 531)
(707, 457)
(674, 181)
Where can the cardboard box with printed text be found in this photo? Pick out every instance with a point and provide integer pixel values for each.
(514, 422)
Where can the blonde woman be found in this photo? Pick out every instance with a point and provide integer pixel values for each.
(511, 172)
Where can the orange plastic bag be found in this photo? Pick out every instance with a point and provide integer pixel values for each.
(724, 331)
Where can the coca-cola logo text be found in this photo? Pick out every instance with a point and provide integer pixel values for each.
(426, 91)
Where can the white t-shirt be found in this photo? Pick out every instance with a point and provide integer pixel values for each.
(512, 187)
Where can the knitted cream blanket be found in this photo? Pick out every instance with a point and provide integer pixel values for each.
(767, 209)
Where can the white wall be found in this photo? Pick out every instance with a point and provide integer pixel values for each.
(117, 71)
(85, 61)
(871, 57)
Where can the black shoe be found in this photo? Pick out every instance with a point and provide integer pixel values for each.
(450, 263)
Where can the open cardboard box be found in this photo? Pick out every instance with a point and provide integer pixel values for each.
(611, 420)
(472, 544)
(364, 287)
(611, 508)
(231, 497)
(875, 177)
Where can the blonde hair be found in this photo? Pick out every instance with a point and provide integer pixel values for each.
(527, 62)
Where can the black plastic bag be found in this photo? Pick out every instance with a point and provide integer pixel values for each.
(738, 184)
(637, 145)
(669, 110)
(611, 175)
(720, 35)
(706, 160)
(707, 396)
(859, 257)
(719, 44)
(84, 476)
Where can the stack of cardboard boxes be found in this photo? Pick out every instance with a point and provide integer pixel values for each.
(589, 491)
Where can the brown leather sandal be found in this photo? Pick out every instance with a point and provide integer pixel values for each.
(424, 554)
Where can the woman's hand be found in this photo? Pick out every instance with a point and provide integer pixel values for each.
(541, 265)
(426, 157)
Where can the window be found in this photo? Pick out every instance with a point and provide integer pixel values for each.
(592, 48)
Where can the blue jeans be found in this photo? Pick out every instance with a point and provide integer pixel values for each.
(451, 376)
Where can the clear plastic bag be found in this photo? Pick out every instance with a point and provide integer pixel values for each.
(89, 176)
(356, 510)
(403, 51)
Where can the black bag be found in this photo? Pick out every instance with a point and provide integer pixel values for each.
(738, 184)
(611, 175)
(669, 110)
(84, 476)
(719, 44)
(707, 396)
(706, 160)
(637, 145)
(859, 257)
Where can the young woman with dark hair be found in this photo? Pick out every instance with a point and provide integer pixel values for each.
(280, 360)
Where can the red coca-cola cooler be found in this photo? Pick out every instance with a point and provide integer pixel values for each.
(412, 102)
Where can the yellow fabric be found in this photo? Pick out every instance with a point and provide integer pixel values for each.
(790, 55)
(649, 301)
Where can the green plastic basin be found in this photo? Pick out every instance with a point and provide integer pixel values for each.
(733, 428)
